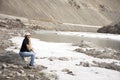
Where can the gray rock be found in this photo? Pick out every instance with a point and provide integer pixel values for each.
(13, 66)
(18, 73)
(63, 59)
(4, 66)
(85, 64)
(0, 72)
(31, 75)
(67, 71)
(11, 75)
(52, 76)
(21, 71)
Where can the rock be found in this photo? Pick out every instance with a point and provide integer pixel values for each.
(21, 71)
(31, 75)
(52, 76)
(96, 73)
(4, 66)
(63, 59)
(13, 66)
(85, 64)
(67, 71)
(41, 67)
(16, 48)
(18, 73)
(0, 72)
(37, 57)
(52, 58)
(106, 53)
(0, 66)
(8, 77)
(112, 28)
(112, 65)
(53, 70)
(11, 75)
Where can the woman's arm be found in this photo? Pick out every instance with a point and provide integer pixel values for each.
(29, 46)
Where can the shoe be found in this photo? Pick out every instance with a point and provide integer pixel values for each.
(31, 66)
(23, 58)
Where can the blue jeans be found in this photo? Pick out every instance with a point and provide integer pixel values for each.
(28, 54)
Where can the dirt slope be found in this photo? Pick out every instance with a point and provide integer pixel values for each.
(90, 12)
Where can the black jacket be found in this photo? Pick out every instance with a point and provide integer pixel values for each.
(24, 46)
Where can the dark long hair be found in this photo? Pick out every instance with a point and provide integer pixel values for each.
(27, 39)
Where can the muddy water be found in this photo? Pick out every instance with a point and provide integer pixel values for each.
(53, 37)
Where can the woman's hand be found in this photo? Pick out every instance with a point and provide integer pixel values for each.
(29, 47)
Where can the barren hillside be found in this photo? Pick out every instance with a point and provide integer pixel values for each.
(89, 12)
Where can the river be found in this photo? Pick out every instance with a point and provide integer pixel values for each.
(52, 36)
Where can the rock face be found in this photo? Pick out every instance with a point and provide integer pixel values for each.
(114, 29)
(91, 12)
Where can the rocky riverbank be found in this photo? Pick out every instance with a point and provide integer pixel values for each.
(12, 67)
(102, 53)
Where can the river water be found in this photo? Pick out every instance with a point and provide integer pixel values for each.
(54, 37)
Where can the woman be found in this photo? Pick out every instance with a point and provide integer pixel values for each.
(27, 50)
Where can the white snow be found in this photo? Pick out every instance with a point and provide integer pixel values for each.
(45, 50)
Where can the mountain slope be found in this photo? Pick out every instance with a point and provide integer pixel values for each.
(91, 12)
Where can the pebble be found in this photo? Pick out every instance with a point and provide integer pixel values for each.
(31, 75)
(13, 66)
(0, 72)
(21, 71)
(18, 74)
(4, 66)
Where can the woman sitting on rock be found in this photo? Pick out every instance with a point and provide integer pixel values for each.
(27, 50)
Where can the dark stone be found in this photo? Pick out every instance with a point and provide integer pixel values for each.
(113, 29)
(12, 58)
